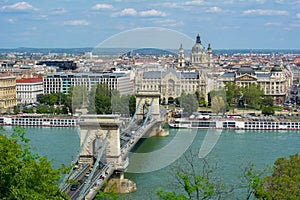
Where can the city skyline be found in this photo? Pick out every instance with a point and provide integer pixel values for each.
(226, 24)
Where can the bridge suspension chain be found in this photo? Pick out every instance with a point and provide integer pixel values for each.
(88, 184)
(75, 159)
(149, 113)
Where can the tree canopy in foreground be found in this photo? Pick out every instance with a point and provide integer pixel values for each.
(284, 182)
(24, 175)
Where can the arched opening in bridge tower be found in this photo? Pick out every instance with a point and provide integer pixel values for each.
(170, 100)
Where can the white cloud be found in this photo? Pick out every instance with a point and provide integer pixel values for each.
(126, 12)
(265, 12)
(76, 22)
(170, 5)
(152, 13)
(57, 11)
(272, 24)
(102, 7)
(298, 15)
(19, 6)
(279, 1)
(215, 9)
(194, 2)
(11, 21)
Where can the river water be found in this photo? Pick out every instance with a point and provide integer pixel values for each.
(232, 152)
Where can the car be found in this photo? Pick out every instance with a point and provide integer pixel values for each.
(87, 174)
(74, 187)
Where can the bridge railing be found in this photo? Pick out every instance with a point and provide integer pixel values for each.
(75, 159)
(74, 176)
(100, 153)
(92, 189)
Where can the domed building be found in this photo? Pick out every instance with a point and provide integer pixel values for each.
(200, 57)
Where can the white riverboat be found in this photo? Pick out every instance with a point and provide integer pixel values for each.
(243, 124)
(38, 120)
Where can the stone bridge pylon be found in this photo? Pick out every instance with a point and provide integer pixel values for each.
(147, 101)
(93, 132)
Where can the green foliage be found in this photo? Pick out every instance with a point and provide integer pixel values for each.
(17, 110)
(233, 93)
(170, 195)
(218, 105)
(24, 175)
(194, 181)
(267, 101)
(253, 178)
(47, 101)
(109, 194)
(132, 105)
(120, 103)
(284, 182)
(79, 95)
(267, 110)
(27, 110)
(40, 109)
(189, 103)
(252, 94)
(201, 98)
(103, 99)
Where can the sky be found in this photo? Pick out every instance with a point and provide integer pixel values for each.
(225, 24)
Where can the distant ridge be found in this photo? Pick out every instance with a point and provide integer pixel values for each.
(143, 51)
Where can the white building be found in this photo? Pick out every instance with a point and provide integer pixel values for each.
(28, 89)
(61, 82)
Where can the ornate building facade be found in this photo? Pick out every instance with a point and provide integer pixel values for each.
(275, 83)
(171, 83)
(8, 94)
(200, 57)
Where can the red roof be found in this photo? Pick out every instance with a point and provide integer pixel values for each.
(297, 60)
(30, 80)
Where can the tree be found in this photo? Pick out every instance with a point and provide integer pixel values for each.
(132, 105)
(119, 103)
(267, 110)
(201, 98)
(41, 109)
(194, 181)
(218, 105)
(17, 110)
(23, 174)
(233, 93)
(284, 182)
(79, 95)
(267, 101)
(103, 99)
(252, 94)
(189, 103)
(27, 110)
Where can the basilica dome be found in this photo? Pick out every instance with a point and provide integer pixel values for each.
(198, 47)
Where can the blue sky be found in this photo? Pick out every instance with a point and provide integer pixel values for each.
(226, 24)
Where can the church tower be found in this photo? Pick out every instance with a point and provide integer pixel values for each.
(199, 56)
(181, 61)
(209, 52)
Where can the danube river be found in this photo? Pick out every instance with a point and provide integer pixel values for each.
(231, 153)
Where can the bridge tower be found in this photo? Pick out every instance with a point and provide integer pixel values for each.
(147, 101)
(93, 131)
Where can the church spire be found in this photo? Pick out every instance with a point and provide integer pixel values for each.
(198, 39)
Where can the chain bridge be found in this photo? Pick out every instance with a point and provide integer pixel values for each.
(105, 141)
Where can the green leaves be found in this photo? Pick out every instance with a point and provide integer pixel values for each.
(23, 174)
(284, 183)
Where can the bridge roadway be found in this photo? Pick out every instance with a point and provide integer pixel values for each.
(81, 174)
